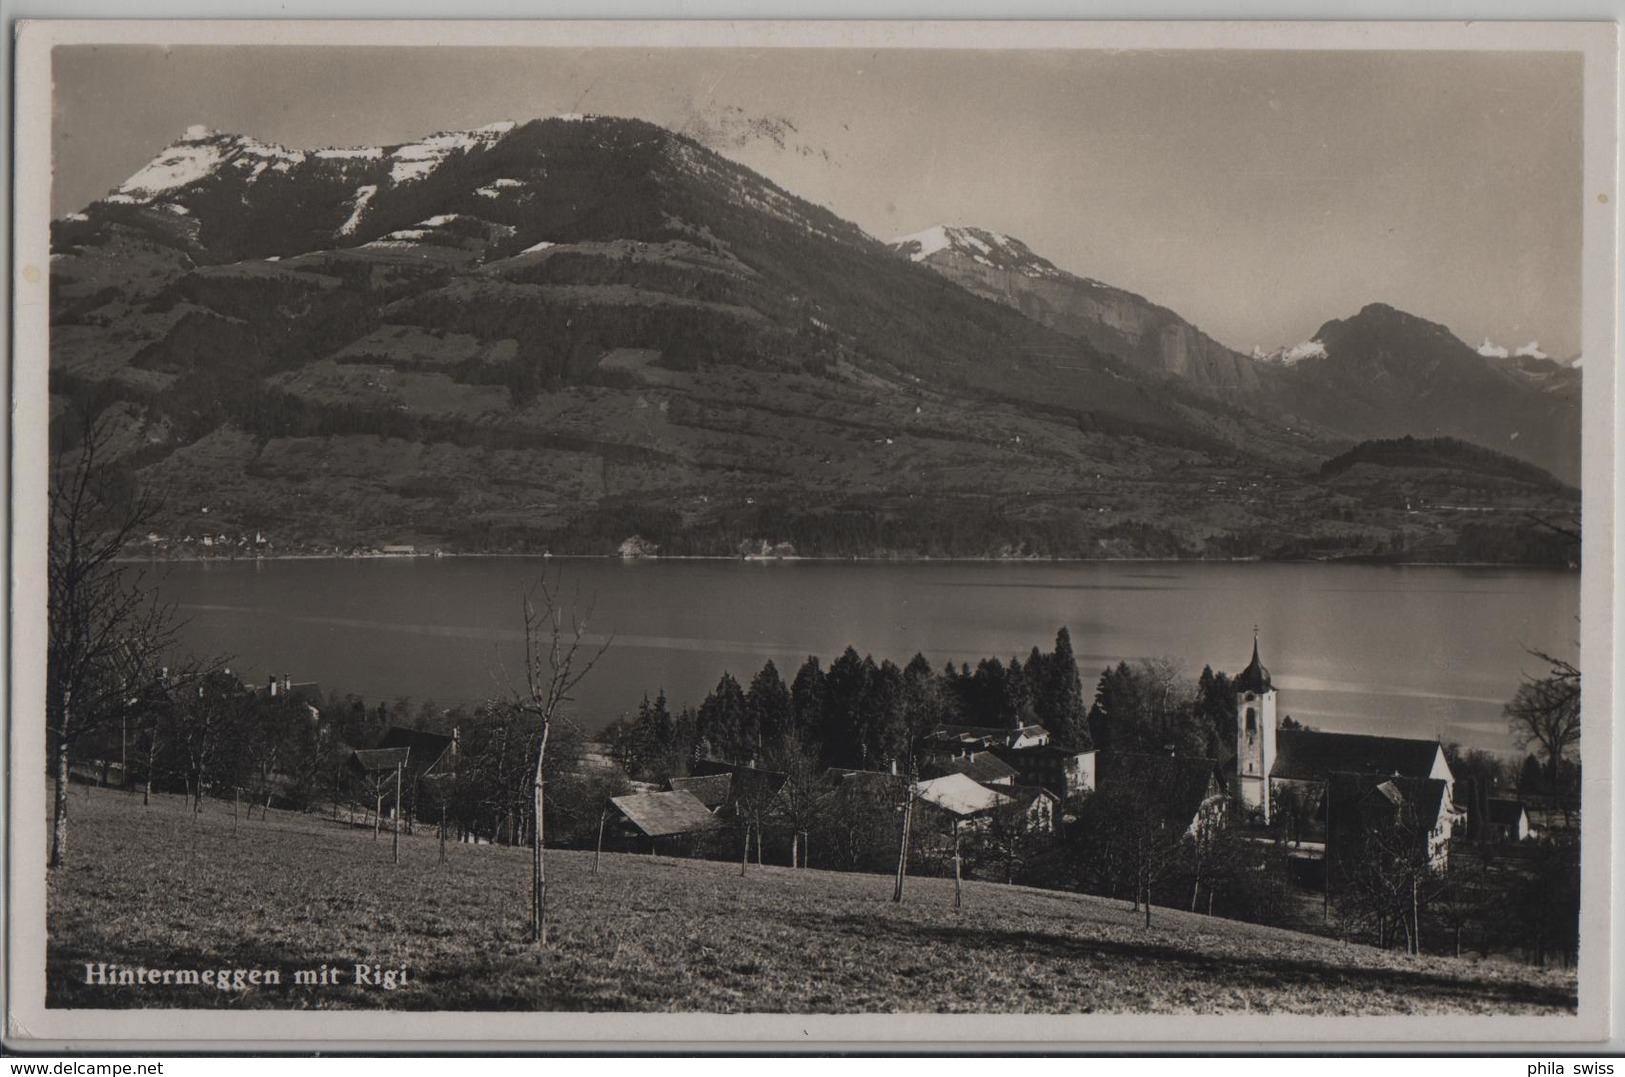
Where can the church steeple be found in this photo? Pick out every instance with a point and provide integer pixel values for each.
(1255, 733)
(1255, 678)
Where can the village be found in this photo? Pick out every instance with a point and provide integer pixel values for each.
(1219, 803)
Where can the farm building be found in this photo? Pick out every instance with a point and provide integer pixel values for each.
(983, 767)
(655, 816)
(960, 797)
(1509, 819)
(1064, 773)
(1185, 790)
(969, 802)
(712, 790)
(420, 756)
(751, 790)
(1395, 816)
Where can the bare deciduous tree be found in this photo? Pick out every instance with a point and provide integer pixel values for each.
(1545, 712)
(107, 630)
(557, 660)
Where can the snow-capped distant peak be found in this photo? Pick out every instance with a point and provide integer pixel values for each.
(1531, 351)
(183, 163)
(991, 249)
(1292, 354)
(1491, 350)
(196, 156)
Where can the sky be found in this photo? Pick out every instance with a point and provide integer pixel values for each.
(1257, 194)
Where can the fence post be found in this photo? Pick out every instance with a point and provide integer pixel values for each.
(958, 898)
(598, 854)
(397, 815)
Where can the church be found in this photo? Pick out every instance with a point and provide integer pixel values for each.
(1270, 761)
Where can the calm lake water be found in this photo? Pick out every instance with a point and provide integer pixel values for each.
(1404, 650)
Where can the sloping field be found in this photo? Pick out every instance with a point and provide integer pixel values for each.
(149, 888)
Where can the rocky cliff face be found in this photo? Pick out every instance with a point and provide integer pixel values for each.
(1116, 321)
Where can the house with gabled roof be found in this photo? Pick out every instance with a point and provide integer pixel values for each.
(654, 816)
(1397, 810)
(1509, 819)
(961, 797)
(712, 790)
(1186, 790)
(1062, 771)
(984, 767)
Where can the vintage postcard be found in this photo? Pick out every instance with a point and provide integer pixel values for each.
(1048, 535)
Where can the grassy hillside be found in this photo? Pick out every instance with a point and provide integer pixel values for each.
(150, 887)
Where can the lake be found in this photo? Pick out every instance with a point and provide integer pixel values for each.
(1414, 651)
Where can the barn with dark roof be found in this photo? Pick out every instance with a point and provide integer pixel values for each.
(1186, 789)
(1397, 811)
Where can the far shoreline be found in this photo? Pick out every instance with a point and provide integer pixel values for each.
(915, 559)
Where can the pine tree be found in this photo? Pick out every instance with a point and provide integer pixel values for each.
(721, 721)
(770, 706)
(807, 702)
(845, 687)
(1064, 714)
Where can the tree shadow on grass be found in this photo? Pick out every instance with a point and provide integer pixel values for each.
(1276, 973)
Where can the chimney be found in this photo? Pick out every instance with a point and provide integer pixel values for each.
(270, 687)
(287, 682)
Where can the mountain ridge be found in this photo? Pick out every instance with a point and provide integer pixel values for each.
(568, 331)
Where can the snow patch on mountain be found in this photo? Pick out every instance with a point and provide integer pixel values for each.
(363, 195)
(922, 245)
(495, 188)
(352, 153)
(416, 160)
(1491, 350)
(534, 247)
(1531, 351)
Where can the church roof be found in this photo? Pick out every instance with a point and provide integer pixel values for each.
(1255, 678)
(1310, 755)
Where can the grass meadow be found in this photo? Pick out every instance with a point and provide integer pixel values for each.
(150, 887)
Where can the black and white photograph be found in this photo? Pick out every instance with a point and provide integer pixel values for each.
(900, 522)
